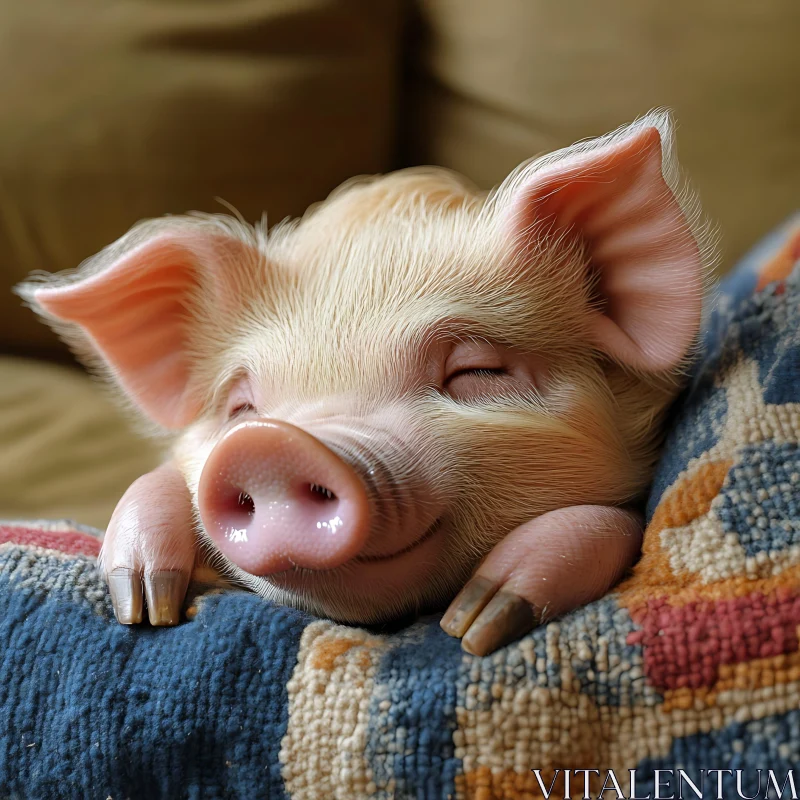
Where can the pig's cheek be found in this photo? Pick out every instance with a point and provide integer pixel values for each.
(149, 548)
(544, 568)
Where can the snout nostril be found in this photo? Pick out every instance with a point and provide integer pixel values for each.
(321, 493)
(245, 504)
(237, 507)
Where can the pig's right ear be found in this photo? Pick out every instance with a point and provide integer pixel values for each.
(133, 308)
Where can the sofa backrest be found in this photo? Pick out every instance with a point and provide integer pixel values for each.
(114, 111)
(498, 82)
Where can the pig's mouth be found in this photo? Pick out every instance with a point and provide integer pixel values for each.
(430, 532)
(297, 576)
(368, 588)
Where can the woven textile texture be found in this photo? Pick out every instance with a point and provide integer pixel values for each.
(693, 662)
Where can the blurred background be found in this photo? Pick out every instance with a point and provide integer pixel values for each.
(115, 110)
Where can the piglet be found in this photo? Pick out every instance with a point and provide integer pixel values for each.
(414, 389)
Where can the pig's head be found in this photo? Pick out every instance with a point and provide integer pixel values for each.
(364, 401)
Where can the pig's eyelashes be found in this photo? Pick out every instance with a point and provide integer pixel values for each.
(480, 372)
(475, 382)
(241, 408)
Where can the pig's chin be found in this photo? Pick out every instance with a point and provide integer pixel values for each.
(369, 588)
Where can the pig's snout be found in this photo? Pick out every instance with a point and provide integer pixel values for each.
(272, 496)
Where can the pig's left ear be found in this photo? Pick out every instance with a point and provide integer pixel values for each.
(617, 194)
(143, 310)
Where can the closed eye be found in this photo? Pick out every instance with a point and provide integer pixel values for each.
(242, 408)
(470, 384)
(479, 371)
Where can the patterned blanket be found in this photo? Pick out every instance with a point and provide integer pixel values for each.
(693, 663)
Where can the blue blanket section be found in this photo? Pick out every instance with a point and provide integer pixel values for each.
(425, 669)
(92, 709)
(771, 743)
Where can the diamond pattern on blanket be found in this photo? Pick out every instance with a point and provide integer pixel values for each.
(760, 502)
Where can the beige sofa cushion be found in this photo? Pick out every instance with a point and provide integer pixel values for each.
(115, 110)
(502, 81)
(65, 450)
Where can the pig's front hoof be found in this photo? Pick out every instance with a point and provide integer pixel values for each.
(125, 588)
(149, 549)
(164, 591)
(556, 562)
(485, 618)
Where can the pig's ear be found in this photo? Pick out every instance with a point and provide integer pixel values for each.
(617, 193)
(134, 309)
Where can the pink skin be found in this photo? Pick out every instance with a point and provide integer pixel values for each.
(273, 497)
(542, 569)
(150, 544)
(529, 577)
